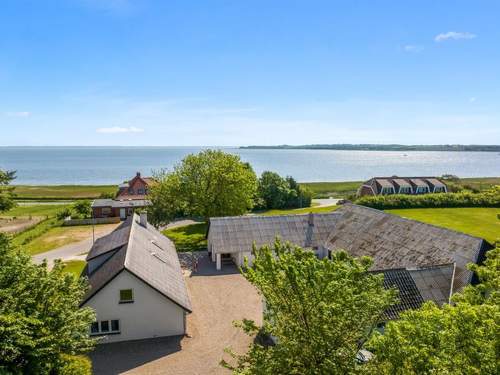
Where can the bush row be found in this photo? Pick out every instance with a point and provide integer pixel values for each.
(490, 198)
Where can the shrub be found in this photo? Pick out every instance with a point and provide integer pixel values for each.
(75, 365)
(490, 198)
(64, 213)
(83, 209)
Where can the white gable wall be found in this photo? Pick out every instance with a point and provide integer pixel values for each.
(150, 315)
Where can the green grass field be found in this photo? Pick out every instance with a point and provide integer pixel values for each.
(189, 237)
(332, 189)
(61, 192)
(480, 222)
(49, 210)
(74, 266)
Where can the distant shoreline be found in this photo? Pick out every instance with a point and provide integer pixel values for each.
(379, 147)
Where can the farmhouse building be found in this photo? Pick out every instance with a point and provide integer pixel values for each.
(136, 188)
(131, 195)
(136, 284)
(402, 185)
(423, 261)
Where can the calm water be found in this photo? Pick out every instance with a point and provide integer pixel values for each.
(110, 165)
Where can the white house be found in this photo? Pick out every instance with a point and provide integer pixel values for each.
(136, 284)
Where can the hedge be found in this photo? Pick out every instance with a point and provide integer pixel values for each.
(490, 198)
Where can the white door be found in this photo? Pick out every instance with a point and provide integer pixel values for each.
(123, 213)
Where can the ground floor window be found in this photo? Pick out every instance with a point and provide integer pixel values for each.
(105, 327)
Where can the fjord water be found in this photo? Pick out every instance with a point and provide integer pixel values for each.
(110, 165)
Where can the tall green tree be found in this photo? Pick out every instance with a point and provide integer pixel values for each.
(318, 311)
(6, 191)
(211, 183)
(275, 191)
(462, 338)
(42, 328)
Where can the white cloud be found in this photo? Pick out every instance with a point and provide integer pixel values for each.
(472, 99)
(119, 129)
(18, 114)
(454, 35)
(413, 48)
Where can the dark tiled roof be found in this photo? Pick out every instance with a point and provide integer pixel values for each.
(112, 241)
(408, 294)
(149, 256)
(396, 242)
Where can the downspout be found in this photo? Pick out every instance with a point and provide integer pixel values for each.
(452, 282)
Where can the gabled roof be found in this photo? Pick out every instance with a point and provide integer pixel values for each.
(435, 182)
(419, 182)
(392, 241)
(401, 182)
(149, 256)
(396, 242)
(238, 233)
(385, 183)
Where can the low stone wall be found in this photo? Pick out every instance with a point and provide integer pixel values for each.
(103, 220)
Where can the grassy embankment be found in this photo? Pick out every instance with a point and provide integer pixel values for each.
(345, 189)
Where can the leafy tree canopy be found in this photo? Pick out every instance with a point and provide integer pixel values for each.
(42, 328)
(211, 183)
(318, 311)
(277, 192)
(6, 191)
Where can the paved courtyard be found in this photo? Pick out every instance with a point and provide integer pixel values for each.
(218, 298)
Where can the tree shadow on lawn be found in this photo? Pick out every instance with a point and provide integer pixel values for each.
(119, 357)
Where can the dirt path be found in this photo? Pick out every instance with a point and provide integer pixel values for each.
(75, 250)
(218, 299)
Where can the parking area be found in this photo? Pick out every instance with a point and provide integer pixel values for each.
(218, 298)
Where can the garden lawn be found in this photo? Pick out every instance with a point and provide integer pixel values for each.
(74, 266)
(60, 236)
(480, 222)
(188, 237)
(48, 192)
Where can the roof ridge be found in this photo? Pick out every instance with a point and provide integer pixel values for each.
(130, 237)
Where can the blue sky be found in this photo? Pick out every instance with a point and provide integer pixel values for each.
(144, 72)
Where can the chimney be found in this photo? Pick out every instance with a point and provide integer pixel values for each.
(310, 220)
(143, 219)
(138, 174)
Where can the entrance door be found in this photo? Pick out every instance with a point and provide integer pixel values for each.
(123, 213)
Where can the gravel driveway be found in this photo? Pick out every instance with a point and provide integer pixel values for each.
(218, 298)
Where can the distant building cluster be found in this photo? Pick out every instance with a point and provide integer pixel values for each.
(402, 185)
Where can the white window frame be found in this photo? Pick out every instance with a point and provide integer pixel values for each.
(110, 325)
